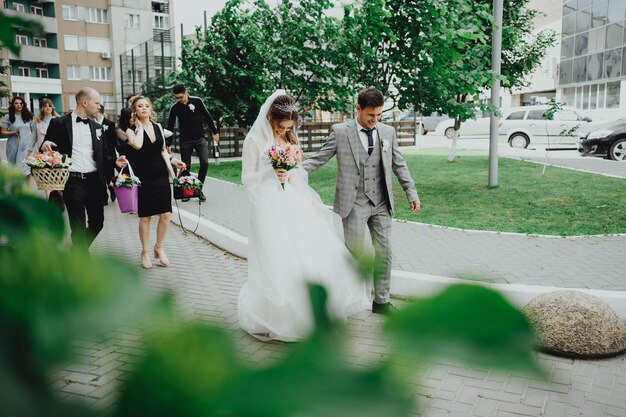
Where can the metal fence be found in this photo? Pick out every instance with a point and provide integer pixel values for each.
(143, 68)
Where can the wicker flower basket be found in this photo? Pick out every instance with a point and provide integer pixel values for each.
(50, 178)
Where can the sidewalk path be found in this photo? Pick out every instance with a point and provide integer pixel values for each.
(206, 286)
(594, 262)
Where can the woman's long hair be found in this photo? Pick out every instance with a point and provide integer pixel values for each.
(27, 116)
(42, 103)
(133, 105)
(285, 108)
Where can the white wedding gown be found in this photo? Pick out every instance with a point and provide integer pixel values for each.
(290, 243)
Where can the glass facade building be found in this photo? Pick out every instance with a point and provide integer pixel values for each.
(593, 53)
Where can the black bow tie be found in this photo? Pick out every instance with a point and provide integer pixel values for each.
(78, 120)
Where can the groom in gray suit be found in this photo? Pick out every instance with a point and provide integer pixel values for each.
(367, 152)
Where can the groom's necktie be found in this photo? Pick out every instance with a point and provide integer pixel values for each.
(370, 140)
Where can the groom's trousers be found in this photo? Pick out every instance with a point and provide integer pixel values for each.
(378, 220)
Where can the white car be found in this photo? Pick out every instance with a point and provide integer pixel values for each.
(477, 127)
(522, 126)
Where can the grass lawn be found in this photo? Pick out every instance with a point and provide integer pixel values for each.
(561, 202)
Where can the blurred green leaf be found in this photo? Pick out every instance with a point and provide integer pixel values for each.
(21, 216)
(468, 323)
(8, 24)
(190, 373)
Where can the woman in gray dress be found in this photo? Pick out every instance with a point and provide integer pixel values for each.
(19, 127)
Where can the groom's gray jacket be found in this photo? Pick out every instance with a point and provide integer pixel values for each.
(344, 142)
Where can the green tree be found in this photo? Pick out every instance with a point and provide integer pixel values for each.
(444, 53)
(367, 46)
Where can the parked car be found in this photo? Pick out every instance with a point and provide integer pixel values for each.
(606, 140)
(477, 127)
(522, 126)
(428, 123)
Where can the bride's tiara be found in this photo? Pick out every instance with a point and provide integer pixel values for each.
(287, 108)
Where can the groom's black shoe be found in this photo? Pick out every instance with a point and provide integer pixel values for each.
(384, 308)
(201, 196)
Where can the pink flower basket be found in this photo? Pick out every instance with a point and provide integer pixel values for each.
(127, 198)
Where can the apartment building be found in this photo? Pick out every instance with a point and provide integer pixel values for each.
(36, 72)
(81, 47)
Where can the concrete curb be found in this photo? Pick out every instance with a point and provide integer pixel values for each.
(403, 284)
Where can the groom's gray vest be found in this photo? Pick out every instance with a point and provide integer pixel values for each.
(371, 178)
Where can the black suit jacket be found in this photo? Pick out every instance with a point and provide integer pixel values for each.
(60, 132)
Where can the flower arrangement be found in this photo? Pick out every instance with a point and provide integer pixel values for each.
(189, 185)
(50, 159)
(287, 157)
(125, 180)
(187, 182)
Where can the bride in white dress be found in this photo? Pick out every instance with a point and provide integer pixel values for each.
(290, 242)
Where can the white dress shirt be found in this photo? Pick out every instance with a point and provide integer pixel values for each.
(363, 136)
(82, 148)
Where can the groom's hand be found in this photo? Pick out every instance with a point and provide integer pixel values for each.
(414, 206)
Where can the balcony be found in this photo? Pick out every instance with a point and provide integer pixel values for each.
(49, 23)
(36, 54)
(36, 85)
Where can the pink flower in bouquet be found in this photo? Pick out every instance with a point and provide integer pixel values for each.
(286, 158)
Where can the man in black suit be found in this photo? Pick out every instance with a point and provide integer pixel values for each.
(82, 139)
(110, 137)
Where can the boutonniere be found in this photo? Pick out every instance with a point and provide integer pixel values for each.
(98, 133)
(192, 107)
(105, 128)
(385, 144)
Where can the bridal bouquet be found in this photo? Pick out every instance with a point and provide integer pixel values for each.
(50, 159)
(286, 158)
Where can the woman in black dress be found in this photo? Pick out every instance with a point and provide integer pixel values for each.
(155, 194)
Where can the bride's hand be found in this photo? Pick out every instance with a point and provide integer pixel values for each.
(282, 174)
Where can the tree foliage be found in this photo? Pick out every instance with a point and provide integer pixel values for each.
(435, 57)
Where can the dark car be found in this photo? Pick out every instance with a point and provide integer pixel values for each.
(607, 140)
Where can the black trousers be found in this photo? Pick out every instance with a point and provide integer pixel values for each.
(84, 200)
(202, 149)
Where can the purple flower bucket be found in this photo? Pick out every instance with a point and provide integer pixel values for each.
(127, 198)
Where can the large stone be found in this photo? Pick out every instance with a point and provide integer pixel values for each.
(576, 324)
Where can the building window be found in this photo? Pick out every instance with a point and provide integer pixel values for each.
(73, 72)
(42, 72)
(107, 101)
(612, 63)
(100, 73)
(72, 102)
(21, 39)
(138, 75)
(23, 71)
(97, 16)
(36, 10)
(71, 42)
(132, 20)
(70, 12)
(161, 21)
(19, 7)
(40, 42)
(612, 95)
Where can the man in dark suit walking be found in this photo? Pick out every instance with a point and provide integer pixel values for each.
(110, 138)
(82, 139)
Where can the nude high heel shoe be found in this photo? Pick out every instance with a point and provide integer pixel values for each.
(160, 255)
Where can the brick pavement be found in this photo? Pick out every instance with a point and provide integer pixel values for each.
(206, 288)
